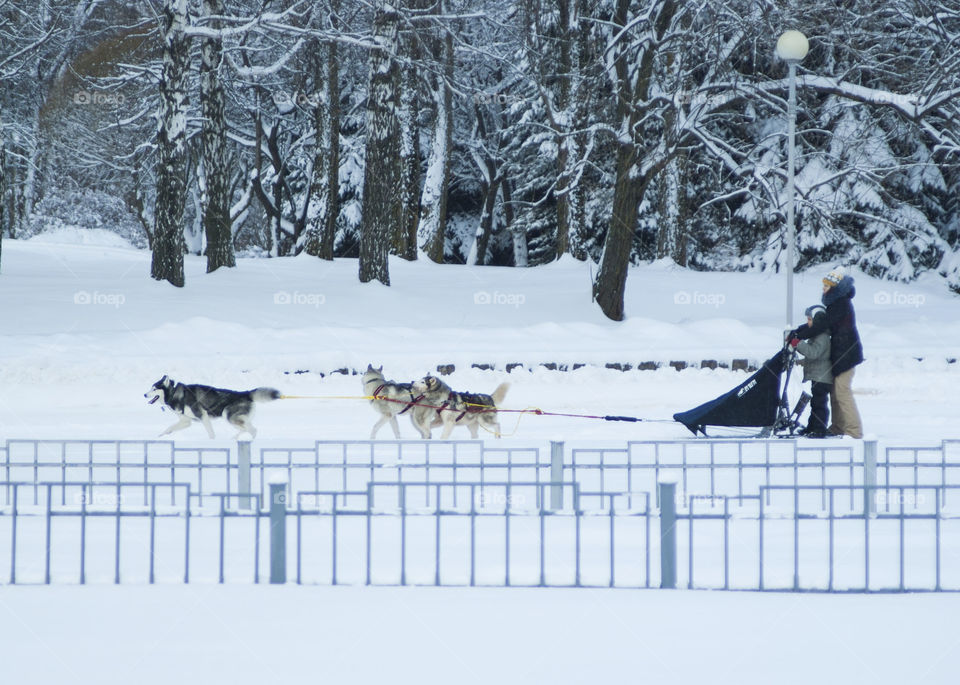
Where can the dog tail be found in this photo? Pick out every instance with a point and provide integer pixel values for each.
(265, 394)
(500, 393)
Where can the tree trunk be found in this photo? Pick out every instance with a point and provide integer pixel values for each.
(433, 223)
(277, 222)
(632, 90)
(492, 177)
(12, 202)
(193, 230)
(272, 206)
(167, 262)
(325, 194)
(487, 215)
(562, 100)
(139, 203)
(671, 240)
(216, 205)
(317, 210)
(382, 158)
(405, 240)
(333, 145)
(611, 280)
(33, 163)
(577, 141)
(521, 253)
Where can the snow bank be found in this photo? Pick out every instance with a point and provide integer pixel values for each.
(76, 235)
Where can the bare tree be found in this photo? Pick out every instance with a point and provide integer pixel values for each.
(633, 64)
(216, 206)
(325, 181)
(382, 160)
(167, 262)
(436, 186)
(405, 239)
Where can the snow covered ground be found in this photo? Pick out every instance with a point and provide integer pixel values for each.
(243, 634)
(85, 331)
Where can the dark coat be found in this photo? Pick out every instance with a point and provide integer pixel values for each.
(841, 322)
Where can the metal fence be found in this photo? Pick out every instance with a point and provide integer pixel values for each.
(745, 514)
(495, 534)
(145, 462)
(714, 467)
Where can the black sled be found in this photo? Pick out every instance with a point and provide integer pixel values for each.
(759, 402)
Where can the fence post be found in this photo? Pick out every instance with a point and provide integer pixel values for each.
(668, 534)
(243, 473)
(278, 531)
(556, 475)
(870, 477)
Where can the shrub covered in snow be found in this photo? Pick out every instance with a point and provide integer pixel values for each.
(85, 209)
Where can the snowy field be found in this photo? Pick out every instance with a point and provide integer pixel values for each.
(237, 634)
(85, 332)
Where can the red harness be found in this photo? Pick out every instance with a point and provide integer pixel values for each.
(412, 402)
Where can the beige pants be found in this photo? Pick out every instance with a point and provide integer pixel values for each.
(846, 417)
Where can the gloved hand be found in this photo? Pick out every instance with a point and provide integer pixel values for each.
(794, 341)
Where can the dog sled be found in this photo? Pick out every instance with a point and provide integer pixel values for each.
(759, 402)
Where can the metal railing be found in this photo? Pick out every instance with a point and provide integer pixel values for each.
(106, 532)
(792, 544)
(712, 467)
(498, 534)
(481, 537)
(349, 465)
(130, 462)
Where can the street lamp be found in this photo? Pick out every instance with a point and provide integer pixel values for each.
(792, 47)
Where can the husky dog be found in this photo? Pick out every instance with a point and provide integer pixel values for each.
(201, 402)
(443, 407)
(391, 399)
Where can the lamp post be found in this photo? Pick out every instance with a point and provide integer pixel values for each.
(792, 47)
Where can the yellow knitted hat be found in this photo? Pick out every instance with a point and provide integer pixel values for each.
(834, 277)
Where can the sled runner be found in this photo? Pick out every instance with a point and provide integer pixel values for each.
(759, 402)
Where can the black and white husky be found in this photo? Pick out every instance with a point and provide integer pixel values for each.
(202, 402)
(441, 406)
(390, 399)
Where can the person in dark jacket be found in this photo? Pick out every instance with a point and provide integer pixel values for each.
(816, 369)
(846, 351)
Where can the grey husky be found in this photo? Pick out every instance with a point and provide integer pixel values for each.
(390, 399)
(202, 402)
(441, 406)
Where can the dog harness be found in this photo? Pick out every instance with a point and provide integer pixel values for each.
(411, 403)
(475, 403)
